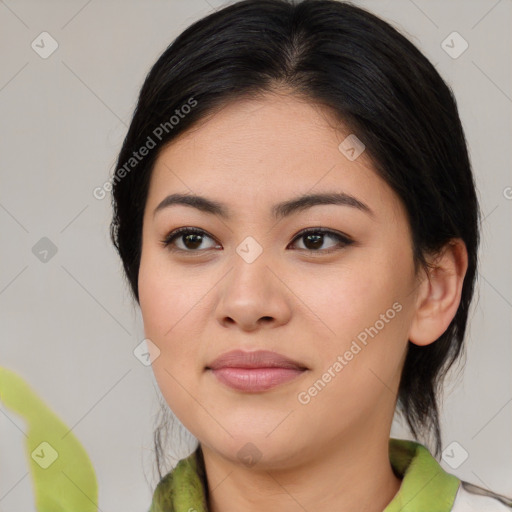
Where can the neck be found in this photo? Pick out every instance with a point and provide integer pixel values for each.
(356, 475)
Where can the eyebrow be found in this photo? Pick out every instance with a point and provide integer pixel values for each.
(279, 210)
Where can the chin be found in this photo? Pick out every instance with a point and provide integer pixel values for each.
(258, 451)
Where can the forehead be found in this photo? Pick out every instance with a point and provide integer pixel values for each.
(276, 146)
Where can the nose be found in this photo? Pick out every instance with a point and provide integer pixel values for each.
(253, 296)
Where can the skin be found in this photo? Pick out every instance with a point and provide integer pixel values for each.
(302, 302)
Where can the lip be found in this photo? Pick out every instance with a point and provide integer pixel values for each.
(255, 371)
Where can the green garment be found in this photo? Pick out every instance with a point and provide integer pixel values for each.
(425, 485)
(62, 473)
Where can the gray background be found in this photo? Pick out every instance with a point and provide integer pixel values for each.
(68, 325)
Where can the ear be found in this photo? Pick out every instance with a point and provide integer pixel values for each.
(439, 293)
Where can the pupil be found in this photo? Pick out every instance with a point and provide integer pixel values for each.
(190, 237)
(317, 241)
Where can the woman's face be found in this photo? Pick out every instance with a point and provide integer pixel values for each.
(251, 280)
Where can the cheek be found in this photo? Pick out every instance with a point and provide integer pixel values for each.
(359, 364)
(167, 298)
(168, 305)
(348, 299)
(367, 306)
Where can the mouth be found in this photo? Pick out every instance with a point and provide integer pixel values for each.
(253, 372)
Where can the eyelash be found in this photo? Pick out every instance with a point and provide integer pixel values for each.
(343, 240)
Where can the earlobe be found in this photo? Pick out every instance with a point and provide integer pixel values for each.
(439, 293)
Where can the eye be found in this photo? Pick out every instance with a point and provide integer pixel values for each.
(192, 239)
(314, 240)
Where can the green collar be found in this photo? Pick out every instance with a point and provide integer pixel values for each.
(425, 485)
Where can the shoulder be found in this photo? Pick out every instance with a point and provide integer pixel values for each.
(472, 498)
